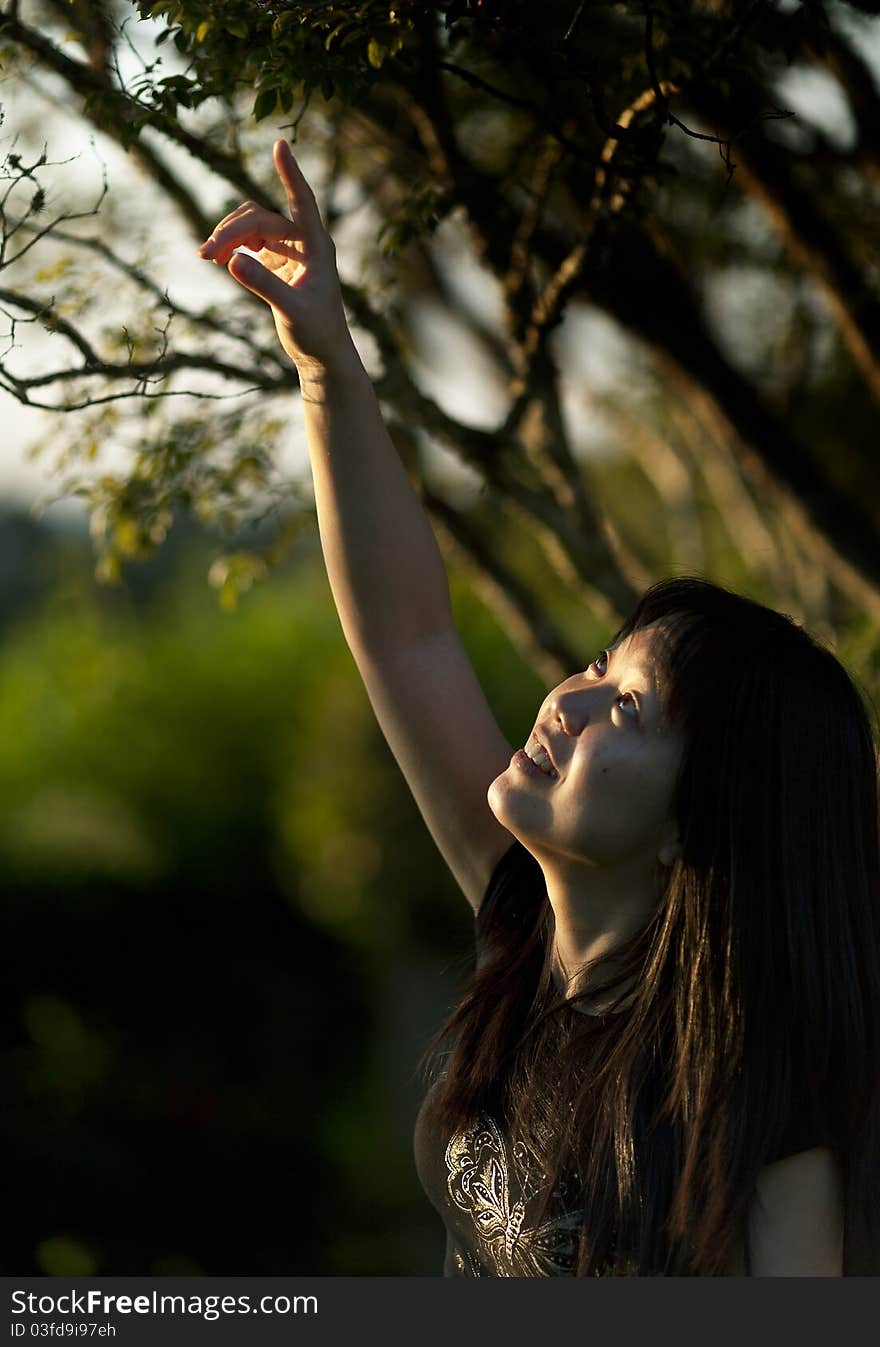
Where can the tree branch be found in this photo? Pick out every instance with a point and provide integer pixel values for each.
(811, 240)
(673, 325)
(119, 115)
(143, 372)
(539, 640)
(201, 317)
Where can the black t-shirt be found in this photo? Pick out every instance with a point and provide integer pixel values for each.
(486, 1184)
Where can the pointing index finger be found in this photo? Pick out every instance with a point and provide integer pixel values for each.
(300, 197)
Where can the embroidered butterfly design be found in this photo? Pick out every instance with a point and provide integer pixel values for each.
(479, 1183)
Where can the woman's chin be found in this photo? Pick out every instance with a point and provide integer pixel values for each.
(505, 800)
(495, 797)
(511, 806)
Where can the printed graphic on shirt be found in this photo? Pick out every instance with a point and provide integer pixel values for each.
(482, 1183)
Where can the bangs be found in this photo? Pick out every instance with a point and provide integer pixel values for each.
(705, 639)
(674, 645)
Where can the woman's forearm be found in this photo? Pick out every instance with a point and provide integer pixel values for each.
(385, 570)
(383, 563)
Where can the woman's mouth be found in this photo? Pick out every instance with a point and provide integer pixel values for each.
(535, 761)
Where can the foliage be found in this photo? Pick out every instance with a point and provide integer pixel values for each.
(334, 47)
(525, 170)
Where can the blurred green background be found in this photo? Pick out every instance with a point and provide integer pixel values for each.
(228, 935)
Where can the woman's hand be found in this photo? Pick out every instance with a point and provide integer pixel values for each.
(296, 272)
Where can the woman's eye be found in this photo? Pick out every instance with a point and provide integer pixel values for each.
(626, 701)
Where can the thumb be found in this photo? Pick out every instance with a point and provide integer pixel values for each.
(260, 280)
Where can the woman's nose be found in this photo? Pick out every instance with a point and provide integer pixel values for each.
(571, 710)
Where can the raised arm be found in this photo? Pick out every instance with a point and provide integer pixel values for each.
(385, 570)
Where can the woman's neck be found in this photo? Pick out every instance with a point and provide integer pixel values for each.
(573, 986)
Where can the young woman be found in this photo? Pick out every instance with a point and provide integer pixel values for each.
(667, 1061)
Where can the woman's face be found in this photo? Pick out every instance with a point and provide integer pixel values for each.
(596, 778)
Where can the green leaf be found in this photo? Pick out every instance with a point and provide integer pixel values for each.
(283, 21)
(334, 33)
(376, 54)
(108, 571)
(265, 103)
(237, 27)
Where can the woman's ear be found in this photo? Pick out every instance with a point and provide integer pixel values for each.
(670, 846)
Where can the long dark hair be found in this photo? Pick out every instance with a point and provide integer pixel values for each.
(757, 975)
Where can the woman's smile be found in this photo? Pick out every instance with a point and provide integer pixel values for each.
(537, 753)
(531, 767)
